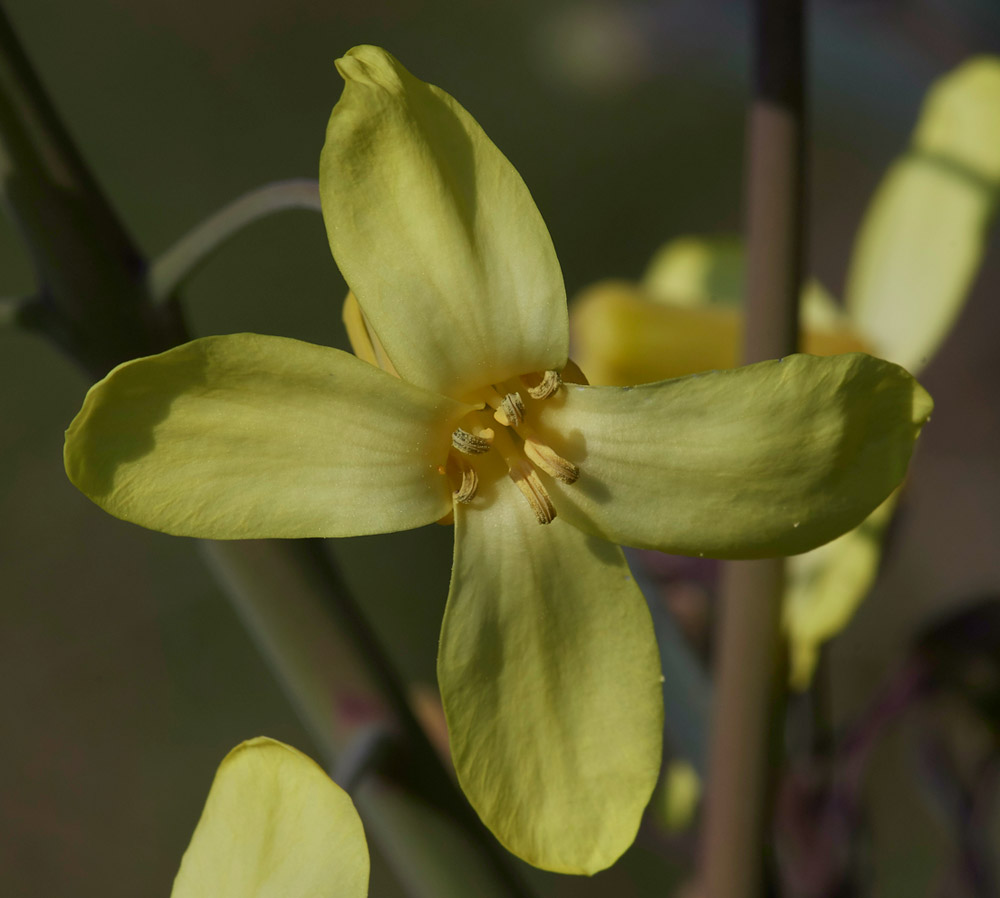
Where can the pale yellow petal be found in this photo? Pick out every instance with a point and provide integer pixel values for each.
(365, 344)
(436, 234)
(622, 337)
(274, 826)
(694, 271)
(826, 586)
(770, 459)
(922, 240)
(245, 437)
(550, 678)
(357, 331)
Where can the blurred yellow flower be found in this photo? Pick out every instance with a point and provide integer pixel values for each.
(916, 255)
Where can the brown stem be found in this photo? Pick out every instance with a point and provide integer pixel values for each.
(749, 683)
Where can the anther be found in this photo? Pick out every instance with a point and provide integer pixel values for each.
(470, 443)
(469, 486)
(511, 410)
(468, 481)
(550, 461)
(528, 482)
(542, 386)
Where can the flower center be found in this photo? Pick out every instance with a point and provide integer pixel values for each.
(523, 452)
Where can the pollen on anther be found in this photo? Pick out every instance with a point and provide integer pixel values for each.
(547, 384)
(470, 443)
(469, 486)
(465, 480)
(511, 410)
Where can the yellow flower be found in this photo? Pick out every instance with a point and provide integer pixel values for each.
(548, 667)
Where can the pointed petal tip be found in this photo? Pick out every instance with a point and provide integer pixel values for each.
(437, 234)
(368, 64)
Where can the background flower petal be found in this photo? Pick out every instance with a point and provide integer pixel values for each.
(365, 344)
(436, 233)
(245, 436)
(770, 459)
(550, 678)
(697, 271)
(274, 826)
(623, 335)
(922, 239)
(825, 587)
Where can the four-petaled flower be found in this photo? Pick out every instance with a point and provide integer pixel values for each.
(548, 667)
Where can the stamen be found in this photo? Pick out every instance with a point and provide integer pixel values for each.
(542, 386)
(528, 482)
(526, 479)
(470, 485)
(523, 451)
(550, 461)
(472, 444)
(468, 479)
(511, 410)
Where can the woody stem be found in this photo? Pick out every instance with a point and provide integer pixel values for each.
(746, 724)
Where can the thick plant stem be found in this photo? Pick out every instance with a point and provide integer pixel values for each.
(91, 276)
(345, 691)
(36, 143)
(749, 682)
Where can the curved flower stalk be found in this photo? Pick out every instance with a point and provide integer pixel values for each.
(274, 824)
(916, 255)
(462, 402)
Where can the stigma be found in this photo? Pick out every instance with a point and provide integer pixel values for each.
(525, 454)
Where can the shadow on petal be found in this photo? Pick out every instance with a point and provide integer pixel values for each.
(120, 415)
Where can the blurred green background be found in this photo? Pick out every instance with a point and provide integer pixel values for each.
(124, 675)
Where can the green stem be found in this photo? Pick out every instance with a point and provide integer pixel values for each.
(89, 271)
(37, 143)
(349, 697)
(749, 677)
